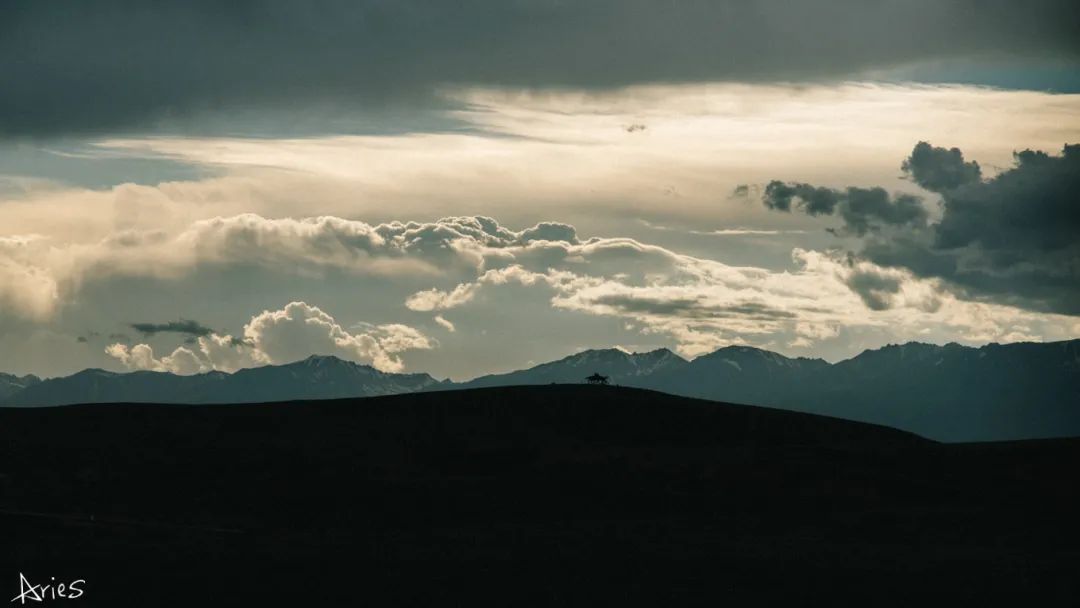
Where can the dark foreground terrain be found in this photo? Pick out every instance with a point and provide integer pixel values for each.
(552, 495)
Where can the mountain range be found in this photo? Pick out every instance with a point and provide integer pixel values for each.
(948, 393)
(317, 377)
(10, 384)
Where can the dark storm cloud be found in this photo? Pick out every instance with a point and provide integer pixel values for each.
(938, 169)
(865, 209)
(192, 329)
(811, 199)
(1012, 239)
(115, 64)
(862, 209)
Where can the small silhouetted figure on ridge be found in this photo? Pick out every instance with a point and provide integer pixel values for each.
(597, 379)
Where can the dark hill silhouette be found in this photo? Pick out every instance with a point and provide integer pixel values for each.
(526, 495)
(947, 393)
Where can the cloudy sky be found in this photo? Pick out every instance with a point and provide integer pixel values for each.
(476, 186)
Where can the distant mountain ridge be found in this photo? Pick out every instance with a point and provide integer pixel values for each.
(621, 367)
(317, 377)
(10, 384)
(949, 393)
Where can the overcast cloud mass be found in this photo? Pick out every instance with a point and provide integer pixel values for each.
(471, 187)
(112, 65)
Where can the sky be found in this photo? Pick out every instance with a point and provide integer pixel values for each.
(474, 187)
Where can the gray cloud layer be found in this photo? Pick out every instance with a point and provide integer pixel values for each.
(183, 326)
(113, 65)
(691, 307)
(1012, 239)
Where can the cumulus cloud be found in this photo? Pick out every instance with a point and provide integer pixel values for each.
(280, 336)
(434, 299)
(26, 290)
(445, 324)
(703, 304)
(697, 303)
(396, 338)
(224, 54)
(549, 231)
(40, 275)
(140, 357)
(391, 248)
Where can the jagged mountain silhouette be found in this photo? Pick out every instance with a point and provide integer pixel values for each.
(950, 392)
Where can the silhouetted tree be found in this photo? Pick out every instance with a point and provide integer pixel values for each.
(597, 379)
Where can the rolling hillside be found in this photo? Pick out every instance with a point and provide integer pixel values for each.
(526, 495)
